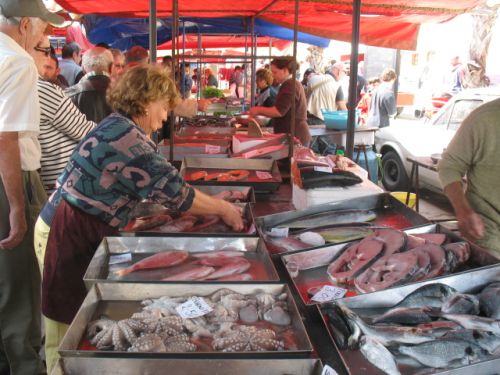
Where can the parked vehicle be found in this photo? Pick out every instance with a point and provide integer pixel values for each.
(413, 138)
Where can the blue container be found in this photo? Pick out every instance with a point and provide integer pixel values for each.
(338, 119)
(372, 159)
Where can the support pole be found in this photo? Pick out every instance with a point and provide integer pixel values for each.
(294, 77)
(152, 31)
(175, 32)
(254, 53)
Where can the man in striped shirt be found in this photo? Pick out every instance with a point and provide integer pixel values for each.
(62, 125)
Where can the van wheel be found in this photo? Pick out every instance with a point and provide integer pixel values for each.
(394, 177)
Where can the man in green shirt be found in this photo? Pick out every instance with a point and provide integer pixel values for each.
(474, 151)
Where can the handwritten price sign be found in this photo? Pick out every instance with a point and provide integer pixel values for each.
(212, 149)
(329, 293)
(261, 175)
(193, 308)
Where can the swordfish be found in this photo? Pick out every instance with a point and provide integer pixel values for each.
(340, 217)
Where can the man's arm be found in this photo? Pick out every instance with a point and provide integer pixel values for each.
(10, 173)
(469, 222)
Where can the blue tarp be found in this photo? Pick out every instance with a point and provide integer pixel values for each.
(124, 33)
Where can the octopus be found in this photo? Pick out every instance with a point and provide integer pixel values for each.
(155, 323)
(248, 338)
(108, 334)
(179, 344)
(148, 343)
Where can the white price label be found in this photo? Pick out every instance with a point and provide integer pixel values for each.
(193, 308)
(263, 175)
(323, 169)
(212, 149)
(122, 258)
(279, 232)
(329, 293)
(327, 370)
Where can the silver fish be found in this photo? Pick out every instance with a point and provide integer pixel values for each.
(443, 353)
(460, 303)
(489, 300)
(378, 355)
(431, 295)
(329, 218)
(475, 322)
(486, 340)
(404, 315)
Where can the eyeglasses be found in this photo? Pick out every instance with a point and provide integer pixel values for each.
(45, 50)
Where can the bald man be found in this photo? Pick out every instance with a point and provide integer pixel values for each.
(89, 95)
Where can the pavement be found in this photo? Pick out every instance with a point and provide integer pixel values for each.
(435, 207)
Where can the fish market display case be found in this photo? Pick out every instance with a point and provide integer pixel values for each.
(370, 305)
(124, 366)
(387, 211)
(218, 229)
(264, 175)
(312, 275)
(135, 248)
(119, 301)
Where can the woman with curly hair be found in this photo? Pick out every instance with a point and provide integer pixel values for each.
(112, 169)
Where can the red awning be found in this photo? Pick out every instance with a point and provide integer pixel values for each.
(385, 23)
(224, 41)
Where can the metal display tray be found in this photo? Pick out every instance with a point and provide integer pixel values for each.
(247, 214)
(317, 276)
(125, 366)
(190, 165)
(121, 300)
(468, 282)
(389, 211)
(150, 208)
(254, 250)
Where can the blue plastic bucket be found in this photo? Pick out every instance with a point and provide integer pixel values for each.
(372, 159)
(337, 119)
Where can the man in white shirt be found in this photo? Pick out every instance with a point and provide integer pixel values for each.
(22, 25)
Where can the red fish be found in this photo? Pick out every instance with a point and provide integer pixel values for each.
(194, 273)
(238, 277)
(218, 254)
(237, 265)
(163, 259)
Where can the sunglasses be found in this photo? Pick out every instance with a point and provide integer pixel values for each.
(46, 50)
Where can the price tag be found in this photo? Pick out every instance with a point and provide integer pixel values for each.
(193, 308)
(212, 149)
(279, 232)
(323, 169)
(329, 293)
(122, 258)
(263, 175)
(327, 370)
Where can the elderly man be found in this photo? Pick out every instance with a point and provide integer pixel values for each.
(323, 92)
(22, 24)
(118, 67)
(89, 95)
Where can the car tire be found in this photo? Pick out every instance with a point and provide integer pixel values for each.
(394, 176)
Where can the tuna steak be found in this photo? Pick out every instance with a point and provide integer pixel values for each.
(435, 238)
(162, 259)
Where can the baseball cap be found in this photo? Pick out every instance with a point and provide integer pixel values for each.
(29, 8)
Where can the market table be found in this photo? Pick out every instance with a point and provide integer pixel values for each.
(419, 161)
(362, 135)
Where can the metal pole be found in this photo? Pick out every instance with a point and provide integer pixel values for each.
(353, 79)
(294, 77)
(198, 67)
(175, 26)
(152, 30)
(245, 70)
(254, 53)
(398, 73)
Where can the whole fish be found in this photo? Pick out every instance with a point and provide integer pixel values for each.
(344, 234)
(219, 254)
(329, 218)
(237, 277)
(443, 353)
(431, 295)
(378, 355)
(489, 300)
(486, 340)
(385, 334)
(474, 322)
(285, 244)
(162, 259)
(339, 326)
(405, 315)
(460, 303)
(194, 273)
(238, 265)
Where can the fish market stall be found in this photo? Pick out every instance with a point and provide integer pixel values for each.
(383, 259)
(125, 366)
(179, 321)
(334, 222)
(445, 326)
(192, 259)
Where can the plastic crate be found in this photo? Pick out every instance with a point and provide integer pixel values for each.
(337, 119)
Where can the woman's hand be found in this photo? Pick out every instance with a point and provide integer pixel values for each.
(231, 215)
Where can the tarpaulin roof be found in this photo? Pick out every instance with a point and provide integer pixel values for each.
(124, 33)
(386, 23)
(224, 41)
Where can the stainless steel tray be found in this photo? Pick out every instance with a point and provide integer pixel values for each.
(317, 276)
(390, 212)
(247, 214)
(469, 282)
(125, 366)
(120, 300)
(262, 268)
(191, 165)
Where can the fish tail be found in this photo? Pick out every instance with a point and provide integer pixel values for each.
(124, 271)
